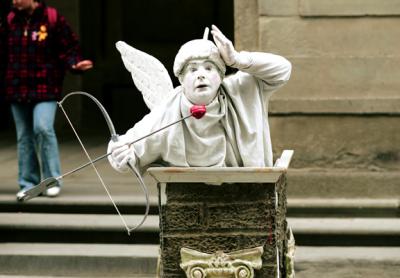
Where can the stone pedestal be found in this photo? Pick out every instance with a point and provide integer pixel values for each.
(214, 210)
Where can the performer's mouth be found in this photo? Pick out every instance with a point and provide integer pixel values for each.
(201, 86)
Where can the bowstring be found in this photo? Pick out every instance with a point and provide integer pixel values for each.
(95, 169)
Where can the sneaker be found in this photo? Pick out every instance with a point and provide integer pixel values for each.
(21, 194)
(53, 191)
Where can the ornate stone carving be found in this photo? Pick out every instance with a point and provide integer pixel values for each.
(238, 264)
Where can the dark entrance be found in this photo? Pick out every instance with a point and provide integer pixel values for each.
(157, 27)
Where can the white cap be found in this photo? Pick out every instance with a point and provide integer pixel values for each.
(198, 49)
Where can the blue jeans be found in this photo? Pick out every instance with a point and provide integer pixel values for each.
(37, 146)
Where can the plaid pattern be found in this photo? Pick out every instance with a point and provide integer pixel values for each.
(2, 47)
(2, 53)
(4, 9)
(38, 56)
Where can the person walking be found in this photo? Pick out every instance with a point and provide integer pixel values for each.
(40, 48)
(5, 6)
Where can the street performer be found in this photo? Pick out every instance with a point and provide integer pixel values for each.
(234, 132)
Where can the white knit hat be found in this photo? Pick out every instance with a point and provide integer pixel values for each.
(198, 49)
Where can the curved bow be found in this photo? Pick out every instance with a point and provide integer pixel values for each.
(114, 137)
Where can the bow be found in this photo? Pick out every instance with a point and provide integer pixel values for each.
(114, 137)
(52, 181)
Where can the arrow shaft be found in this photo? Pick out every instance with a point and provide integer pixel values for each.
(107, 154)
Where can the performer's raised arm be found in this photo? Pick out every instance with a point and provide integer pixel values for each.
(273, 69)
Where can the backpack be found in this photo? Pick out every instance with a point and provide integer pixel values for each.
(51, 13)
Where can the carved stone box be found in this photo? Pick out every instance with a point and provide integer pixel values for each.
(211, 219)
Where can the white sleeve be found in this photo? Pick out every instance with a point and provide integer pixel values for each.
(272, 70)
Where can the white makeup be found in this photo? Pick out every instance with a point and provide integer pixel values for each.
(200, 81)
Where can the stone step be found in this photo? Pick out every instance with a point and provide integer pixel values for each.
(297, 207)
(354, 262)
(80, 276)
(77, 228)
(77, 260)
(100, 228)
(66, 203)
(111, 260)
(342, 207)
(346, 231)
(342, 183)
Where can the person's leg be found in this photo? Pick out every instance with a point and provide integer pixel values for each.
(46, 140)
(28, 165)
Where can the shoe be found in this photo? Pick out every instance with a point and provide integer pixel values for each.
(53, 191)
(21, 194)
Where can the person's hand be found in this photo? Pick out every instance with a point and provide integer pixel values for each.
(225, 46)
(121, 154)
(83, 65)
(231, 57)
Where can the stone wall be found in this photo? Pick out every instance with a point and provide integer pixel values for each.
(344, 52)
(341, 106)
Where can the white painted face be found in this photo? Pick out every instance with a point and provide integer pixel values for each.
(200, 80)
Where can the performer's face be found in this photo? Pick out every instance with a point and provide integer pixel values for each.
(201, 81)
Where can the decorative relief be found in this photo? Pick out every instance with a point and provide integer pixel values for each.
(238, 264)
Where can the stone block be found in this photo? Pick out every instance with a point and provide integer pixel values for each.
(179, 192)
(342, 78)
(316, 8)
(348, 7)
(246, 24)
(183, 217)
(333, 105)
(201, 217)
(278, 7)
(236, 216)
(339, 37)
(339, 141)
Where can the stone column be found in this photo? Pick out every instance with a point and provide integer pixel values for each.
(221, 211)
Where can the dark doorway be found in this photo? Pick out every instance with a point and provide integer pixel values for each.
(157, 27)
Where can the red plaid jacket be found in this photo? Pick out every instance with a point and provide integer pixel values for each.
(2, 53)
(38, 55)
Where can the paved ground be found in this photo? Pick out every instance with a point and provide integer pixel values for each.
(347, 262)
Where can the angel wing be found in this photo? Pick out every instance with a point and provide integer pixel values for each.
(148, 73)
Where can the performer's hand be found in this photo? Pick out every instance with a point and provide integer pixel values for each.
(231, 57)
(83, 65)
(225, 46)
(121, 154)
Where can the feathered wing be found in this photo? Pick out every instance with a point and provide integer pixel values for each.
(148, 73)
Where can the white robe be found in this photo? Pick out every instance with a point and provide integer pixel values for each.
(233, 132)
